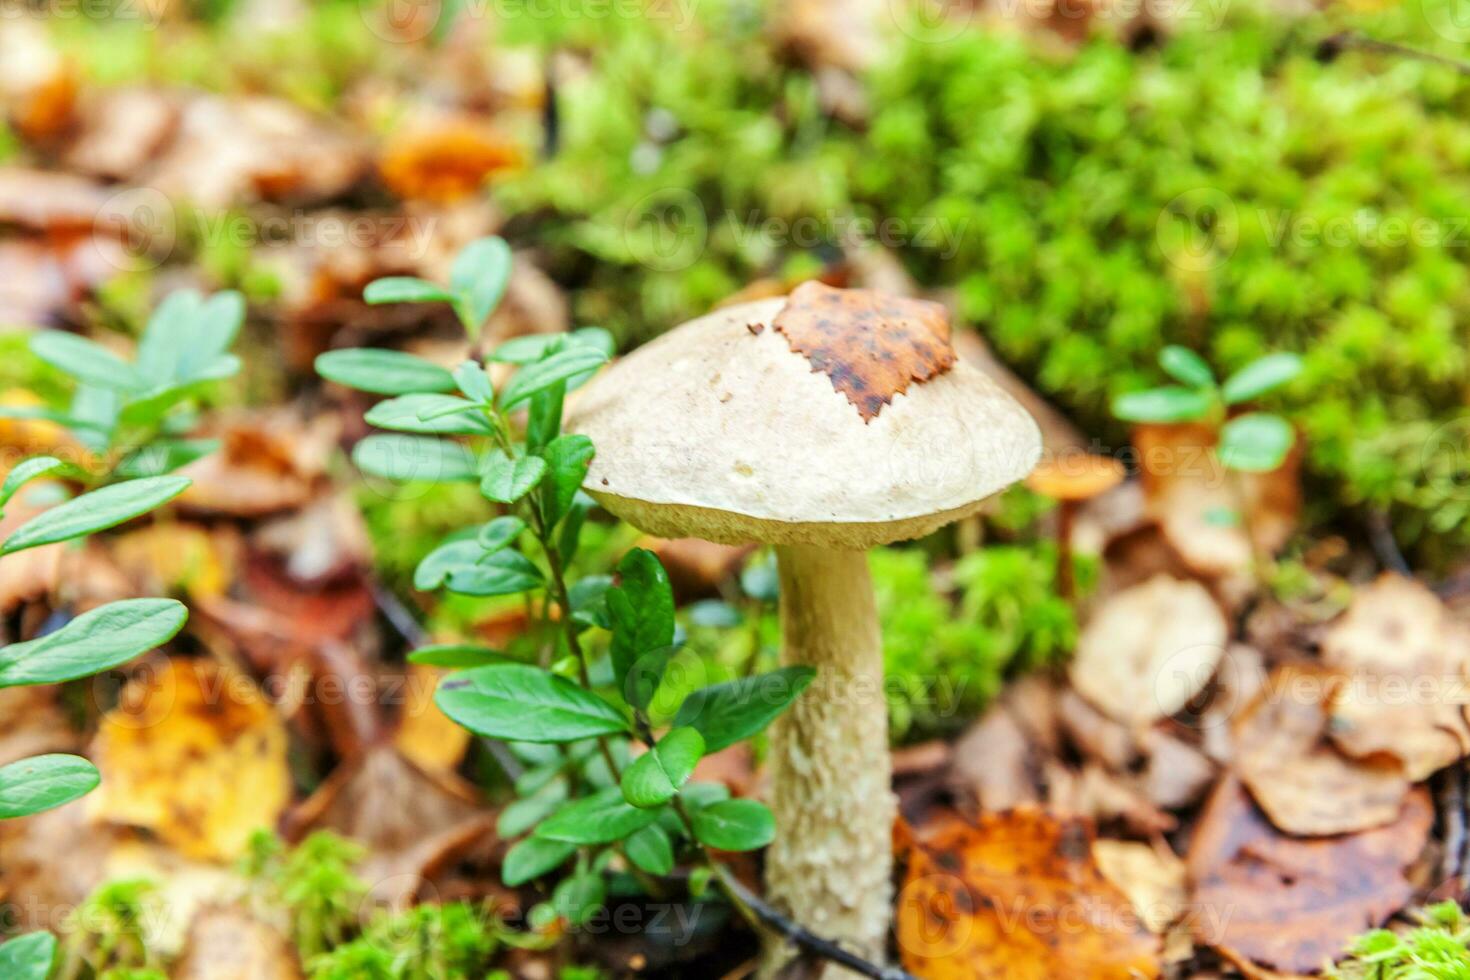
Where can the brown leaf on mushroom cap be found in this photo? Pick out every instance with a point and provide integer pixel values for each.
(872, 345)
(1017, 896)
(1304, 784)
(195, 754)
(1291, 903)
(1149, 649)
(1409, 659)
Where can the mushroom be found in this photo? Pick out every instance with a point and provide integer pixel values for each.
(825, 424)
(1070, 479)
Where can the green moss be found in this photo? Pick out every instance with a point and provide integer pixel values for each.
(1439, 949)
(455, 941)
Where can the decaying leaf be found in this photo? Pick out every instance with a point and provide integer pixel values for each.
(193, 753)
(52, 861)
(182, 888)
(1149, 649)
(266, 464)
(1291, 903)
(122, 131)
(871, 345)
(227, 943)
(1017, 896)
(446, 162)
(38, 85)
(385, 801)
(994, 763)
(1198, 504)
(1410, 666)
(1151, 877)
(170, 557)
(27, 575)
(1299, 779)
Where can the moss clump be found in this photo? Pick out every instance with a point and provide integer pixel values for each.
(1439, 949)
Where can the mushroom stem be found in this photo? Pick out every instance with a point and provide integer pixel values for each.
(831, 864)
(1066, 520)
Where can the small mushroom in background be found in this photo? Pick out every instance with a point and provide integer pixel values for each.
(1070, 479)
(825, 424)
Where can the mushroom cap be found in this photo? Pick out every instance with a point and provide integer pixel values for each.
(721, 430)
(1076, 476)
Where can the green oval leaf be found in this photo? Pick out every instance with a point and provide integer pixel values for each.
(95, 511)
(1162, 405)
(735, 710)
(86, 361)
(533, 857)
(506, 480)
(433, 569)
(383, 372)
(578, 898)
(95, 641)
(407, 458)
(1260, 376)
(478, 278)
(656, 776)
(734, 825)
(1183, 364)
(430, 414)
(44, 782)
(502, 573)
(28, 957)
(600, 818)
(25, 471)
(650, 850)
(404, 289)
(640, 609)
(456, 656)
(567, 458)
(566, 363)
(1255, 443)
(499, 533)
(527, 704)
(474, 382)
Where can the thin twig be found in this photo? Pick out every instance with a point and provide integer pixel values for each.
(398, 616)
(810, 942)
(1380, 536)
(1334, 45)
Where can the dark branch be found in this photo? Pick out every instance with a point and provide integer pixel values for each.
(809, 942)
(1331, 47)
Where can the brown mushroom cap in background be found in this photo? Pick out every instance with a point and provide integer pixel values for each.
(721, 430)
(1075, 476)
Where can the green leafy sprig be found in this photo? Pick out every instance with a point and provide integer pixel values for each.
(571, 720)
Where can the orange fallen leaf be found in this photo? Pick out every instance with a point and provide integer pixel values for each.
(194, 753)
(1291, 903)
(1017, 897)
(446, 163)
(1410, 663)
(1301, 781)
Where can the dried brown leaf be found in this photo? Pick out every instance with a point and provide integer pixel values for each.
(872, 345)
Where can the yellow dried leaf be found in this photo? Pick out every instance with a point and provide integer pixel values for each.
(425, 734)
(193, 753)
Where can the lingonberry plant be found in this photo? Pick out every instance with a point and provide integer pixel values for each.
(585, 798)
(1251, 442)
(132, 417)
